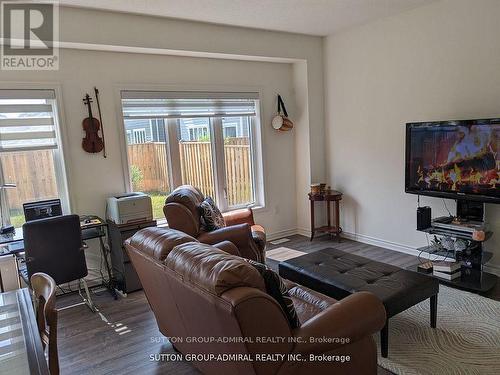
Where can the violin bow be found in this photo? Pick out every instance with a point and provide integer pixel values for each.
(100, 118)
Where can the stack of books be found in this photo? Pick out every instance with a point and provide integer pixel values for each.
(446, 270)
(425, 267)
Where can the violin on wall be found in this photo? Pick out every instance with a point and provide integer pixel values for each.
(92, 142)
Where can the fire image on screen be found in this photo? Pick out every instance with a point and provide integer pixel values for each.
(455, 158)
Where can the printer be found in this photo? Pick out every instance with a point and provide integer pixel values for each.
(129, 208)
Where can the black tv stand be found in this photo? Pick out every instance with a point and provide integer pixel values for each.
(469, 216)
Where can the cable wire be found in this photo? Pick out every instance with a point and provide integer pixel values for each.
(446, 207)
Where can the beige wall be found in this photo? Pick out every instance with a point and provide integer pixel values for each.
(92, 178)
(304, 52)
(436, 62)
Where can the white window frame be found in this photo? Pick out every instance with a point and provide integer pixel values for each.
(173, 156)
(225, 128)
(139, 134)
(196, 131)
(60, 166)
(217, 147)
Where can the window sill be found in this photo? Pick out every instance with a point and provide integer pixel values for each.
(162, 223)
(258, 208)
(254, 208)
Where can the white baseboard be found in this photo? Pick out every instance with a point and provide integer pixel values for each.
(303, 232)
(280, 234)
(381, 243)
(492, 268)
(495, 269)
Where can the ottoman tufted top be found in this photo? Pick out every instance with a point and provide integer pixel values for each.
(339, 274)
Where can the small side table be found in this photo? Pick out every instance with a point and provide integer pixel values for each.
(328, 197)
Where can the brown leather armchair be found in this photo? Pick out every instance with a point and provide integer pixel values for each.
(181, 212)
(202, 292)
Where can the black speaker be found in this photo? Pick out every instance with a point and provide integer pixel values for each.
(423, 217)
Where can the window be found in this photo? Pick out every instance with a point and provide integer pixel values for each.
(197, 133)
(31, 166)
(139, 136)
(209, 143)
(238, 154)
(230, 131)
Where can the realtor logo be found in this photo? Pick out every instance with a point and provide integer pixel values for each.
(30, 33)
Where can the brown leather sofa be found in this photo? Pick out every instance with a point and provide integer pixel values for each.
(181, 212)
(214, 303)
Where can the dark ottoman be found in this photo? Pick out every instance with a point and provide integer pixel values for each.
(339, 274)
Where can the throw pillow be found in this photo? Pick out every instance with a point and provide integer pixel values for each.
(277, 289)
(211, 217)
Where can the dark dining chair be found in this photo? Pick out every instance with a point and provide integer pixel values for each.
(54, 246)
(44, 289)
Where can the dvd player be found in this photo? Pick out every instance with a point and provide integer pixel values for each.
(449, 223)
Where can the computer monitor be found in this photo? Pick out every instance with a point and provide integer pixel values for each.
(42, 209)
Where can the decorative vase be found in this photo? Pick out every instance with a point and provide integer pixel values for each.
(315, 189)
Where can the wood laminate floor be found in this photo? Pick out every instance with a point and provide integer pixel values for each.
(121, 338)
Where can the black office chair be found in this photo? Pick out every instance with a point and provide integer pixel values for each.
(54, 246)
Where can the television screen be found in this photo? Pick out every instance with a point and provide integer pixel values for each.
(454, 158)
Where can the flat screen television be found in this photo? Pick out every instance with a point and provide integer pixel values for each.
(454, 159)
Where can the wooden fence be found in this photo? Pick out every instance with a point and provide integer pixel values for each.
(238, 174)
(34, 172)
(196, 166)
(149, 168)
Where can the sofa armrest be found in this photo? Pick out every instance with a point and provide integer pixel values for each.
(240, 235)
(228, 247)
(243, 216)
(355, 317)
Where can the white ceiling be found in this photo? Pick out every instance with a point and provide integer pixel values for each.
(314, 17)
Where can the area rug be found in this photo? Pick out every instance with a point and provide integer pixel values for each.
(283, 253)
(466, 340)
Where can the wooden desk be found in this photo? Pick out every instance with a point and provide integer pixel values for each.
(20, 344)
(328, 197)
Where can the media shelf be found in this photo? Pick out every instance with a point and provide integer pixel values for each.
(472, 257)
(451, 254)
(469, 217)
(454, 233)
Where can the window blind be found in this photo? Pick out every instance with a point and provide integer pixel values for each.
(27, 120)
(170, 104)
